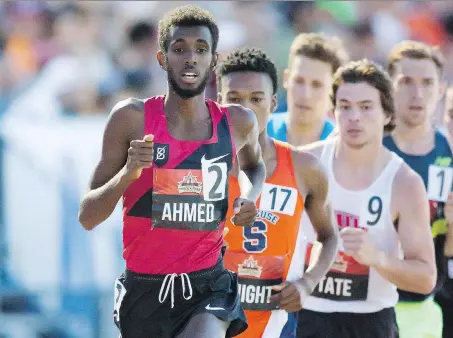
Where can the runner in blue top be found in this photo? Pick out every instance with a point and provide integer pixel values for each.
(313, 60)
(444, 297)
(417, 73)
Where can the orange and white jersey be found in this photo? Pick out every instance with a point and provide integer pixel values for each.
(262, 255)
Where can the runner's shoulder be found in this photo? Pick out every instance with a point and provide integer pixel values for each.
(308, 166)
(304, 158)
(407, 184)
(315, 148)
(127, 119)
(128, 106)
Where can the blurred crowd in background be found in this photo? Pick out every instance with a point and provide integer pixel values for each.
(73, 61)
(92, 54)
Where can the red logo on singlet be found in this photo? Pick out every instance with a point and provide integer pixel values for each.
(347, 220)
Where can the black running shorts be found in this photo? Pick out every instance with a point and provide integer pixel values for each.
(146, 306)
(381, 324)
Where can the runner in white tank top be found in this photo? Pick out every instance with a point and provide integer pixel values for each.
(370, 189)
(350, 285)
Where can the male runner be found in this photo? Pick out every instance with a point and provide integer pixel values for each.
(448, 113)
(313, 59)
(268, 253)
(169, 157)
(444, 296)
(380, 205)
(416, 70)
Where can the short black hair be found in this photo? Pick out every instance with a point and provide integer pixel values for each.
(188, 16)
(141, 31)
(248, 60)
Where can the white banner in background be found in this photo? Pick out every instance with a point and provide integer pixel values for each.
(47, 168)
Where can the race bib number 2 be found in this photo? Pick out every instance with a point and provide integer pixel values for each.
(440, 181)
(215, 174)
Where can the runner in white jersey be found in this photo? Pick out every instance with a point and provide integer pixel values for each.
(380, 206)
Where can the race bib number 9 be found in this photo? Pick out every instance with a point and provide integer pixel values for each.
(256, 277)
(440, 181)
(371, 210)
(347, 279)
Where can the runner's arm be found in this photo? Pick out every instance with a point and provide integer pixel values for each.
(252, 169)
(417, 271)
(448, 246)
(108, 184)
(312, 178)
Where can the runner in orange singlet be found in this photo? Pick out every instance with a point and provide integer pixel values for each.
(267, 255)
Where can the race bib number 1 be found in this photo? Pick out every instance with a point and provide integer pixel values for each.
(439, 183)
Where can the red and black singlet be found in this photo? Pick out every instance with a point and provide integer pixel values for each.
(174, 214)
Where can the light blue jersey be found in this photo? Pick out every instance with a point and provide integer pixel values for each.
(277, 129)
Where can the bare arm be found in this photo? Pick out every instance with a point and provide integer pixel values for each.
(252, 169)
(448, 210)
(108, 181)
(311, 176)
(417, 271)
(448, 246)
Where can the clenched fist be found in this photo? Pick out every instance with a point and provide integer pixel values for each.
(291, 296)
(357, 243)
(139, 156)
(245, 212)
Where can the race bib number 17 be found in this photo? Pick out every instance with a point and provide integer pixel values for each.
(280, 199)
(439, 183)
